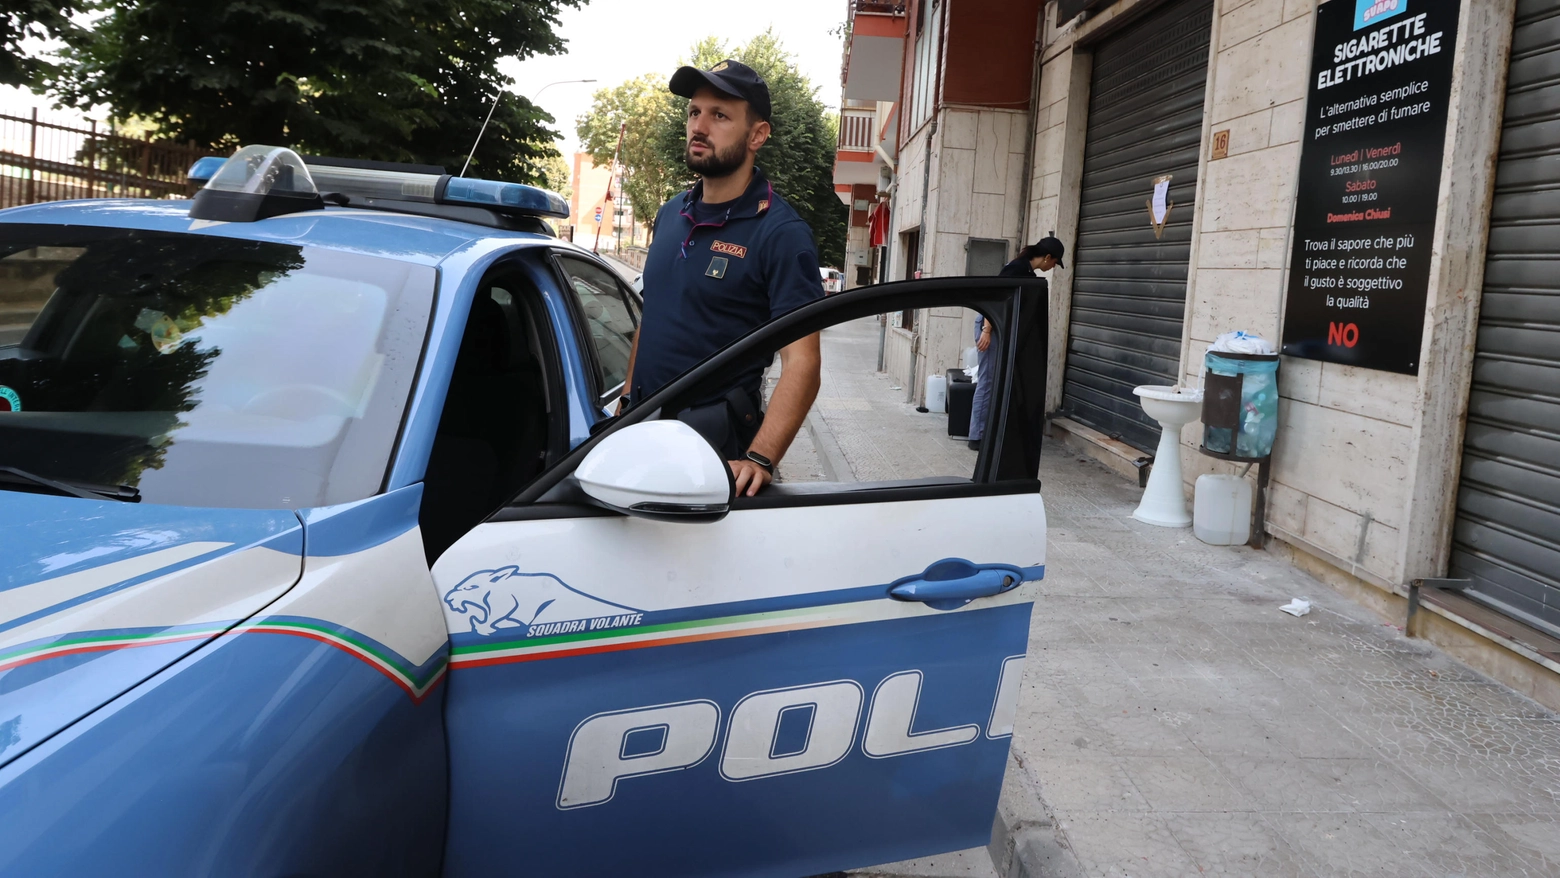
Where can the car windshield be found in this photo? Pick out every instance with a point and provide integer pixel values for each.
(202, 370)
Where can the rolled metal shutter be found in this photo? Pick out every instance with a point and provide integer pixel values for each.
(1129, 288)
(1507, 534)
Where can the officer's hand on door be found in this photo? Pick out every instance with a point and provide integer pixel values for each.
(750, 477)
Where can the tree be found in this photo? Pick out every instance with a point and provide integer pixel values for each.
(38, 19)
(643, 106)
(799, 156)
(394, 80)
(554, 174)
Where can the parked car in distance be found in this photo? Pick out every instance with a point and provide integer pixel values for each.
(833, 280)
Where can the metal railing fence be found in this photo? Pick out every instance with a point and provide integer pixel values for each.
(48, 161)
(856, 129)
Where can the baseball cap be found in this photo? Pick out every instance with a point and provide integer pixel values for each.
(1052, 247)
(730, 77)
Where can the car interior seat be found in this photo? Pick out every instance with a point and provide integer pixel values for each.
(492, 433)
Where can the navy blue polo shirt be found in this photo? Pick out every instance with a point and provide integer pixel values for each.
(716, 272)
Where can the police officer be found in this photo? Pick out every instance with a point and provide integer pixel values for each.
(1043, 255)
(728, 255)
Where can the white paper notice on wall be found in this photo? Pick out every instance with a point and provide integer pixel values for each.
(1159, 206)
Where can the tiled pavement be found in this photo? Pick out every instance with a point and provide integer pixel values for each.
(1174, 722)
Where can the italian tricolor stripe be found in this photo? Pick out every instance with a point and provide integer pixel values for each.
(476, 655)
(416, 683)
(392, 666)
(77, 645)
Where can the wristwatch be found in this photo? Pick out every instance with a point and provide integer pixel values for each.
(762, 461)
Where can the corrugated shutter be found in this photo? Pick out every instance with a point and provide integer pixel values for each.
(1129, 288)
(1507, 536)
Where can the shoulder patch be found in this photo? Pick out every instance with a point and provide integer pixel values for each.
(736, 250)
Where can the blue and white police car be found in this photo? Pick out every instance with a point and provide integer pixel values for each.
(323, 557)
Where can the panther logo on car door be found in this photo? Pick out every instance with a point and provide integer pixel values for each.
(539, 603)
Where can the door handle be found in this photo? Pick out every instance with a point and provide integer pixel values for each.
(954, 582)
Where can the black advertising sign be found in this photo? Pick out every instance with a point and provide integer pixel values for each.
(1370, 168)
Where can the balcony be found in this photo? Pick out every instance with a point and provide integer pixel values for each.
(857, 132)
(856, 162)
(874, 51)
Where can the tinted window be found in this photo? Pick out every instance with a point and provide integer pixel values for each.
(205, 371)
(609, 317)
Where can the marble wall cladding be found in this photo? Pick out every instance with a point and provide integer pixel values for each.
(975, 189)
(1340, 460)
(899, 356)
(1252, 190)
(1060, 106)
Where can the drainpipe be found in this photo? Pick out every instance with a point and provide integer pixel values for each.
(925, 241)
(1027, 185)
(926, 189)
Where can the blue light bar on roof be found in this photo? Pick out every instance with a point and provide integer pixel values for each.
(205, 168)
(509, 197)
(381, 187)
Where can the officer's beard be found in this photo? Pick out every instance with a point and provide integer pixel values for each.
(718, 163)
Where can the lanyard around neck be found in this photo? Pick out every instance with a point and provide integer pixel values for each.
(686, 213)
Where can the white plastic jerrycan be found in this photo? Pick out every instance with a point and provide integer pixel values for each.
(1221, 510)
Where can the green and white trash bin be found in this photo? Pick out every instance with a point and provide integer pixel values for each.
(1240, 422)
(1240, 404)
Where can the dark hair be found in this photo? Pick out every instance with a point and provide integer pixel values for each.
(1033, 251)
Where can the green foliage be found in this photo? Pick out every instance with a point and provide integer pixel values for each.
(20, 19)
(644, 106)
(554, 174)
(394, 80)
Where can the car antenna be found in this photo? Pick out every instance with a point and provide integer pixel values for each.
(483, 130)
(499, 94)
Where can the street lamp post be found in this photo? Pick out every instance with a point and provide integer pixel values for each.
(489, 118)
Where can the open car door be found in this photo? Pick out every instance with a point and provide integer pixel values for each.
(650, 677)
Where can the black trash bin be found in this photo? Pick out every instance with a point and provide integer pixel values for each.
(961, 399)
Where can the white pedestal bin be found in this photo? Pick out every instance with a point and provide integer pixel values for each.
(1164, 500)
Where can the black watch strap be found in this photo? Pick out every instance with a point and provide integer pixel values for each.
(762, 461)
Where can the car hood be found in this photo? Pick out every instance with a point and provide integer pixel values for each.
(96, 596)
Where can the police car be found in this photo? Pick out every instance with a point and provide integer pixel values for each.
(322, 557)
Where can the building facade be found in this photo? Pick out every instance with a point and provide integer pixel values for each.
(600, 216)
(1201, 159)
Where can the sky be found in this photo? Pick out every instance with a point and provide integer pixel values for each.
(612, 41)
(616, 40)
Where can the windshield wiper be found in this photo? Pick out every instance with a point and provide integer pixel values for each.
(11, 476)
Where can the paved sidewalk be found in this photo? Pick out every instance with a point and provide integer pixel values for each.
(1174, 722)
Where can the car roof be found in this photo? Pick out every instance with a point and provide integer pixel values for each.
(418, 239)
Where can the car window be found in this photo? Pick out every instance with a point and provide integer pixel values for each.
(205, 371)
(610, 317)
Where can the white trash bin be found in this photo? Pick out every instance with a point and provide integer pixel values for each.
(1221, 510)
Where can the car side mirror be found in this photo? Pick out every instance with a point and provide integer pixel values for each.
(658, 469)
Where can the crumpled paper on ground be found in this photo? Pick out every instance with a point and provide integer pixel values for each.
(1297, 607)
